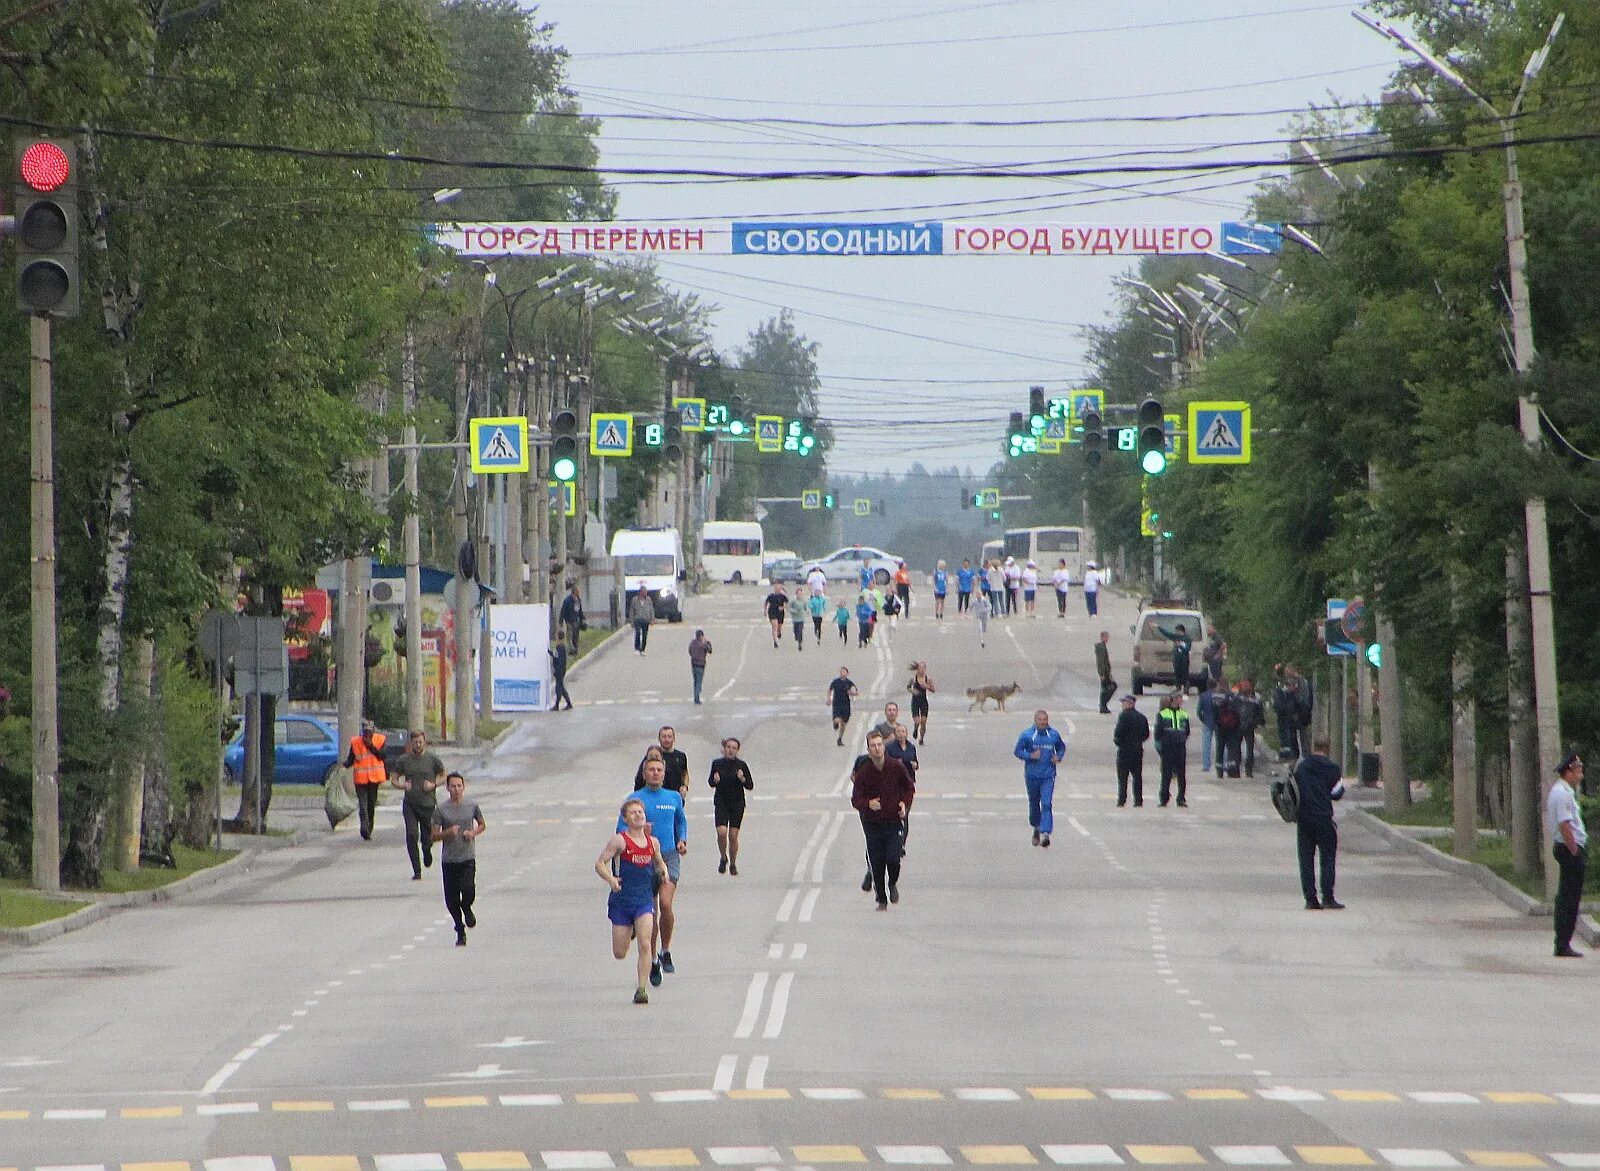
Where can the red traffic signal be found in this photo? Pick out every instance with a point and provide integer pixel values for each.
(45, 207)
(44, 165)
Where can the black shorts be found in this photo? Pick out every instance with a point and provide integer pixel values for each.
(841, 711)
(728, 815)
(919, 706)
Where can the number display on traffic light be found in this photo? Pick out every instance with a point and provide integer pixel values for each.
(45, 204)
(1152, 438)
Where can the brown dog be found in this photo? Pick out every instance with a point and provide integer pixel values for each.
(980, 696)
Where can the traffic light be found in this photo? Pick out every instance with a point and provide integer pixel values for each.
(738, 418)
(968, 499)
(1019, 439)
(45, 204)
(1037, 416)
(1094, 437)
(1375, 654)
(1152, 438)
(564, 446)
(672, 437)
(828, 500)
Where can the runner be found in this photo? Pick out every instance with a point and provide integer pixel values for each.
(994, 583)
(817, 581)
(632, 906)
(902, 587)
(798, 609)
(457, 824)
(1030, 588)
(864, 616)
(419, 774)
(885, 726)
(881, 793)
(941, 585)
(891, 611)
(818, 605)
(921, 686)
(964, 577)
(900, 748)
(981, 610)
(730, 778)
(664, 808)
(841, 619)
(839, 692)
(1062, 580)
(776, 603)
(677, 764)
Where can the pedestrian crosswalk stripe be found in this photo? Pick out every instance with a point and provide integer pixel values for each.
(324, 1163)
(1504, 1159)
(1335, 1156)
(743, 1156)
(914, 1156)
(1252, 1156)
(1418, 1157)
(998, 1155)
(1164, 1154)
(844, 1153)
(663, 1157)
(493, 1161)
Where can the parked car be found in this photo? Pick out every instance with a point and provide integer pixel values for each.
(845, 564)
(305, 751)
(1152, 651)
(787, 569)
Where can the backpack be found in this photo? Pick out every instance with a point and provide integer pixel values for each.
(1227, 714)
(1286, 798)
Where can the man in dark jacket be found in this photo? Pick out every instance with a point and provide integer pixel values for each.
(558, 671)
(1317, 778)
(1102, 665)
(1129, 735)
(1225, 714)
(1251, 718)
(1172, 744)
(1182, 642)
(571, 616)
(882, 792)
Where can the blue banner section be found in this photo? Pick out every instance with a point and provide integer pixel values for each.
(1251, 239)
(787, 238)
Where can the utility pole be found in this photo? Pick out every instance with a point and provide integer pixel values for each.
(514, 489)
(413, 536)
(42, 558)
(538, 509)
(466, 590)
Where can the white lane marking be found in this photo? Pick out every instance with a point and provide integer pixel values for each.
(775, 951)
(723, 1082)
(797, 952)
(1442, 1097)
(1418, 1157)
(570, 1160)
(1580, 1099)
(380, 1104)
(810, 904)
(220, 1078)
(73, 1115)
(755, 1077)
(786, 908)
(743, 1156)
(832, 1094)
(264, 1163)
(1138, 1095)
(672, 1096)
(1252, 1156)
(1081, 1155)
(914, 1156)
(1577, 1160)
(266, 1039)
(530, 1099)
(744, 650)
(752, 1006)
(780, 1005)
(1281, 1093)
(987, 1094)
(827, 844)
(1077, 825)
(213, 1109)
(811, 844)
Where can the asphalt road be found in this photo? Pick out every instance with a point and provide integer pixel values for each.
(1147, 991)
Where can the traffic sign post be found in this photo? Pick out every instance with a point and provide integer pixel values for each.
(610, 434)
(499, 444)
(1219, 433)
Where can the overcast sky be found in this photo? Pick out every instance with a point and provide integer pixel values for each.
(951, 342)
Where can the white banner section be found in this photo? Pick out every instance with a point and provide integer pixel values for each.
(520, 666)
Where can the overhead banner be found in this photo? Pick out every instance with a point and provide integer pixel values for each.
(853, 238)
(520, 666)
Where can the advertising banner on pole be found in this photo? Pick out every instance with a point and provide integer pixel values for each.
(521, 666)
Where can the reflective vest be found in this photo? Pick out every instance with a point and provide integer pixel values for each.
(369, 768)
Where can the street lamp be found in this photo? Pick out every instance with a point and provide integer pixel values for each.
(1541, 604)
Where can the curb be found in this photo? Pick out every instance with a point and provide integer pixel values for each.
(1518, 900)
(101, 906)
(604, 648)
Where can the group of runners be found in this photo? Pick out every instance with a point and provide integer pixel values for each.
(874, 606)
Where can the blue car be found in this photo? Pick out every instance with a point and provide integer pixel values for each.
(306, 751)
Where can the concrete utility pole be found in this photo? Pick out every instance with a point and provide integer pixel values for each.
(466, 591)
(413, 536)
(538, 510)
(42, 560)
(1537, 535)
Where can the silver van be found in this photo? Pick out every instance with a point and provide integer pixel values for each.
(1152, 651)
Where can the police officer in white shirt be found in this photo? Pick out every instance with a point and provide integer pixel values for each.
(1565, 823)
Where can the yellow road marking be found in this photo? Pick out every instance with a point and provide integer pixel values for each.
(152, 1112)
(324, 1163)
(1165, 1154)
(913, 1095)
(825, 1154)
(493, 1161)
(175, 1166)
(1365, 1095)
(664, 1157)
(1216, 1095)
(771, 1095)
(302, 1107)
(1520, 1098)
(13, 1116)
(1336, 1156)
(1504, 1159)
(998, 1154)
(605, 1099)
(455, 1102)
(1060, 1094)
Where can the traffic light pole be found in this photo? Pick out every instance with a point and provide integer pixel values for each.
(42, 557)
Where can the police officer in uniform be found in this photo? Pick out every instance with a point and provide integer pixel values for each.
(1172, 743)
(1129, 735)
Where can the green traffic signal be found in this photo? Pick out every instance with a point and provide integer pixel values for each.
(1375, 654)
(1153, 460)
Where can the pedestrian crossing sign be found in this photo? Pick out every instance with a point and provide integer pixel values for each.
(568, 497)
(863, 507)
(1084, 401)
(1055, 430)
(499, 444)
(1219, 433)
(610, 434)
(989, 498)
(691, 413)
(769, 433)
(811, 498)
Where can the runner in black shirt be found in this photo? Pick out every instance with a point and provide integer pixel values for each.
(839, 692)
(677, 763)
(777, 603)
(730, 777)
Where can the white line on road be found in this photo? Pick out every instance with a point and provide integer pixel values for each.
(780, 1006)
(755, 1077)
(822, 853)
(810, 903)
(723, 1082)
(752, 1006)
(220, 1078)
(786, 908)
(744, 649)
(811, 844)
(1077, 825)
(798, 952)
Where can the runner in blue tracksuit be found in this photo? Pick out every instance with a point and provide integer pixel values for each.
(941, 586)
(669, 826)
(964, 577)
(1040, 748)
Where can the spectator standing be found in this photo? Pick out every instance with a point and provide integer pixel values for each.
(1206, 709)
(964, 577)
(1182, 644)
(1172, 745)
(1251, 718)
(1571, 843)
(1102, 666)
(571, 616)
(1320, 786)
(1091, 588)
(1013, 580)
(1061, 578)
(1215, 655)
(699, 652)
(1225, 711)
(941, 587)
(1129, 735)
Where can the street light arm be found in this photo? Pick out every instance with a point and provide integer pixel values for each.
(1442, 68)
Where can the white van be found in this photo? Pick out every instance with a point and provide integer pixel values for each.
(731, 551)
(652, 558)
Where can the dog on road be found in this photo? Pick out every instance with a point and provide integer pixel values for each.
(980, 696)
